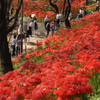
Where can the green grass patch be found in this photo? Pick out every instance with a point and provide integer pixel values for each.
(76, 25)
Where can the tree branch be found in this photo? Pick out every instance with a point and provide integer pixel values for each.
(54, 6)
(16, 16)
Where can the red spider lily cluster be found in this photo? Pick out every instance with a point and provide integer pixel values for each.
(61, 68)
(39, 7)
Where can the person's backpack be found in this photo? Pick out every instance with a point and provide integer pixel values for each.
(48, 26)
(80, 15)
(35, 25)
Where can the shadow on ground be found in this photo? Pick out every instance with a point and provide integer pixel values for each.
(41, 35)
(32, 43)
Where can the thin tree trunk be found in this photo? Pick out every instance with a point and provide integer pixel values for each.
(67, 11)
(86, 2)
(54, 6)
(5, 20)
(5, 56)
(64, 3)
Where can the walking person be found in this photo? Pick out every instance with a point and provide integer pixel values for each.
(14, 45)
(18, 43)
(28, 34)
(35, 26)
(32, 26)
(52, 26)
(58, 17)
(46, 19)
(80, 14)
(48, 28)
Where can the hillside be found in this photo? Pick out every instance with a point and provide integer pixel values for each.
(63, 67)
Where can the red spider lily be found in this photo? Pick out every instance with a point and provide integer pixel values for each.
(60, 71)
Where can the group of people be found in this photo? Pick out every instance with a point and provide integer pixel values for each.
(29, 29)
(24, 32)
(82, 12)
(49, 25)
(16, 45)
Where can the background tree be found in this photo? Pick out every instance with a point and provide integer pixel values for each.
(87, 2)
(67, 12)
(5, 28)
(52, 7)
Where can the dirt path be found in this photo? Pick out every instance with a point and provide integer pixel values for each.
(39, 36)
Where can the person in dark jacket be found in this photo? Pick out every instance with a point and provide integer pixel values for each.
(35, 26)
(46, 19)
(28, 34)
(48, 28)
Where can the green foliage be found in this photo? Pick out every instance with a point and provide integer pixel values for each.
(0, 70)
(91, 2)
(37, 49)
(57, 48)
(83, 96)
(95, 82)
(42, 99)
(52, 95)
(44, 45)
(37, 59)
(95, 97)
(90, 9)
(50, 53)
(52, 42)
(71, 63)
(60, 42)
(76, 25)
(16, 65)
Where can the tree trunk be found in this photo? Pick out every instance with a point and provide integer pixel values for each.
(5, 57)
(67, 11)
(86, 2)
(67, 23)
(5, 28)
(63, 10)
(54, 6)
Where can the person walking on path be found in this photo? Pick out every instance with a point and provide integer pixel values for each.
(46, 19)
(32, 26)
(14, 45)
(58, 17)
(52, 26)
(35, 26)
(18, 43)
(28, 33)
(48, 28)
(80, 14)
